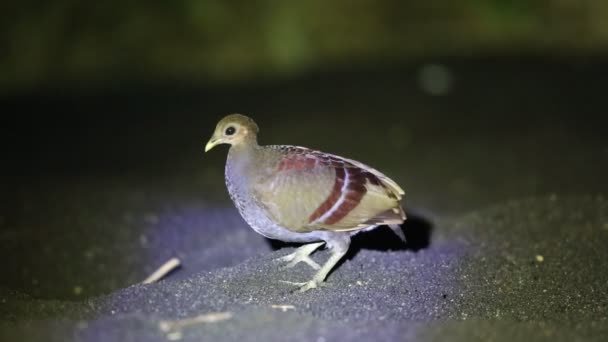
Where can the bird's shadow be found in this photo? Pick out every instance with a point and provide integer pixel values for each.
(417, 230)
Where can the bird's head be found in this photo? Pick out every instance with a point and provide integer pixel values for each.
(234, 129)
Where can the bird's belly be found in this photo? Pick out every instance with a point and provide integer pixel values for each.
(256, 217)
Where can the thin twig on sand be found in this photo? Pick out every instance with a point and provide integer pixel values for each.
(283, 307)
(178, 325)
(162, 271)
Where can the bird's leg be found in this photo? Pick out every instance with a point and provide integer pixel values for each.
(322, 273)
(339, 247)
(302, 254)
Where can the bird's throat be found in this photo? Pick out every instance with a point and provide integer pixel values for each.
(241, 161)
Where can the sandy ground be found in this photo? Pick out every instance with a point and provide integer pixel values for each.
(506, 195)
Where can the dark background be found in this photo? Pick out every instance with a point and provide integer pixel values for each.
(468, 105)
(106, 89)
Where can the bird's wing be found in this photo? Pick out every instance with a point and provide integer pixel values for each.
(310, 190)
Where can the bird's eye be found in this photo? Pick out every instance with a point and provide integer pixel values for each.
(230, 130)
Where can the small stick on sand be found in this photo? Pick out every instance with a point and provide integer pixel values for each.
(162, 271)
(283, 308)
(168, 326)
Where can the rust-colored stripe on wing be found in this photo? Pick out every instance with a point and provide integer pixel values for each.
(297, 163)
(354, 193)
(343, 197)
(333, 197)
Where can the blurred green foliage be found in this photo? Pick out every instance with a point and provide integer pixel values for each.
(43, 42)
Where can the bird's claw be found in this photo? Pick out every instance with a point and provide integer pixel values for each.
(305, 286)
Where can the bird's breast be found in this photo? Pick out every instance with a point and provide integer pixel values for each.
(239, 182)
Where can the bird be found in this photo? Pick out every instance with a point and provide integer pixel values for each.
(299, 195)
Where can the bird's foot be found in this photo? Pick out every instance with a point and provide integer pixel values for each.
(305, 286)
(339, 248)
(301, 254)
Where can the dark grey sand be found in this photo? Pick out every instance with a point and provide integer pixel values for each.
(507, 236)
(520, 281)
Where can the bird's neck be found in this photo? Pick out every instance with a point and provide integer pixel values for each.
(242, 157)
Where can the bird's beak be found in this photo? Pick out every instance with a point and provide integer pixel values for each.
(211, 144)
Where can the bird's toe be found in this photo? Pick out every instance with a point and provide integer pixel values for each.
(294, 259)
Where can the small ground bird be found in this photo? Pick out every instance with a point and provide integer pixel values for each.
(295, 194)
